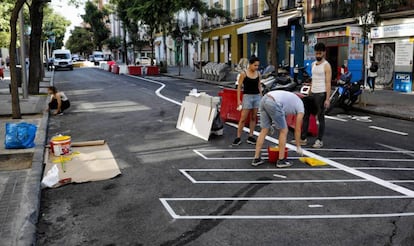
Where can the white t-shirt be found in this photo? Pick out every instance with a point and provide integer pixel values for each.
(290, 102)
(318, 77)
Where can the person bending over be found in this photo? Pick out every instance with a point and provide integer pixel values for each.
(58, 101)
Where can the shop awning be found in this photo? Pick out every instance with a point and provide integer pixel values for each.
(265, 25)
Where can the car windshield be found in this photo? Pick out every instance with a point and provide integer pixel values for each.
(62, 56)
(100, 56)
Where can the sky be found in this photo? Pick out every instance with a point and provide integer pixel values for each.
(70, 12)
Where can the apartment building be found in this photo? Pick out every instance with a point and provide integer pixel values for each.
(248, 33)
(389, 27)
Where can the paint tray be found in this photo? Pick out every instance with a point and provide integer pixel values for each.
(312, 161)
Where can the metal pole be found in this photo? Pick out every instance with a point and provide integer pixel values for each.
(23, 55)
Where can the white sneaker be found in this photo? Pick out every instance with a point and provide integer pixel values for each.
(318, 144)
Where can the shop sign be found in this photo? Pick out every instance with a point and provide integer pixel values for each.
(402, 30)
(403, 82)
(403, 53)
(354, 31)
(329, 34)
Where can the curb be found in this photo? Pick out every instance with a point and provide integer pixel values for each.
(30, 205)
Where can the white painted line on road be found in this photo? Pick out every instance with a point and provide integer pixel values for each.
(366, 150)
(165, 201)
(310, 169)
(407, 152)
(168, 208)
(343, 167)
(388, 130)
(187, 175)
(279, 176)
(335, 118)
(315, 205)
(199, 153)
(369, 177)
(158, 91)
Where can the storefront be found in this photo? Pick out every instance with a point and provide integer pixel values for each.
(344, 46)
(392, 46)
(290, 35)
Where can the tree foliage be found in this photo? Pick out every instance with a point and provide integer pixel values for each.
(97, 23)
(80, 41)
(55, 25)
(5, 9)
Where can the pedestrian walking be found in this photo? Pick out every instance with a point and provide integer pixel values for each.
(58, 101)
(274, 107)
(7, 62)
(372, 73)
(320, 92)
(249, 80)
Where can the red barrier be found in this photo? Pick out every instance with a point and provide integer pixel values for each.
(228, 109)
(313, 126)
(1, 73)
(135, 70)
(110, 64)
(115, 69)
(153, 70)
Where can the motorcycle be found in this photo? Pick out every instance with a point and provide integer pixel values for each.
(346, 93)
(279, 81)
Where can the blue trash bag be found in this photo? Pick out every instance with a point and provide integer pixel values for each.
(20, 135)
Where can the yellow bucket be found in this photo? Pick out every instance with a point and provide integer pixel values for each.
(61, 145)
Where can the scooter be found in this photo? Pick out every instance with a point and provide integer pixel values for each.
(346, 93)
(279, 81)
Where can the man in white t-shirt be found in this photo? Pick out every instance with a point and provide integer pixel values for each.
(320, 94)
(274, 106)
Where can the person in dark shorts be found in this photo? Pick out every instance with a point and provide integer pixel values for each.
(58, 101)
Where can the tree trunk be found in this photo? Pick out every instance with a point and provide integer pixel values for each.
(35, 67)
(16, 114)
(273, 7)
(164, 41)
(125, 53)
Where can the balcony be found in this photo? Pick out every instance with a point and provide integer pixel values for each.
(333, 10)
(394, 6)
(253, 11)
(205, 24)
(291, 4)
(237, 15)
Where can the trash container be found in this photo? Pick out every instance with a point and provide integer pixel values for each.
(19, 78)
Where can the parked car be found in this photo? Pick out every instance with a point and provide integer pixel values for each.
(62, 59)
(97, 56)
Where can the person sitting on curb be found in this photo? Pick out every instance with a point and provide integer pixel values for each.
(274, 107)
(58, 101)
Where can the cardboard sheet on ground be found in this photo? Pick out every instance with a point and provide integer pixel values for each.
(89, 163)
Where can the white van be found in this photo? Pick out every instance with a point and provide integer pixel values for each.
(62, 59)
(97, 56)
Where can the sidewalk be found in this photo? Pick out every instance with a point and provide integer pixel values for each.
(20, 189)
(386, 103)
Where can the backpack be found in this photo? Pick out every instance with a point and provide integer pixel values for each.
(374, 67)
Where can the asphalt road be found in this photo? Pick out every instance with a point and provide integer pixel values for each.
(176, 189)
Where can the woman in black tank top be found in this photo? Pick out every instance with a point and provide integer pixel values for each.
(250, 81)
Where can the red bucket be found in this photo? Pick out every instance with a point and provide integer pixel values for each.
(274, 153)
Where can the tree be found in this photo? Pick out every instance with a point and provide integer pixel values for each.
(5, 10)
(113, 43)
(274, 9)
(97, 23)
(80, 41)
(121, 10)
(16, 114)
(54, 25)
(160, 15)
(35, 54)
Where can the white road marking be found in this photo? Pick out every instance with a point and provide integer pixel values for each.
(407, 152)
(315, 205)
(388, 130)
(335, 118)
(165, 201)
(381, 182)
(279, 176)
(343, 167)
